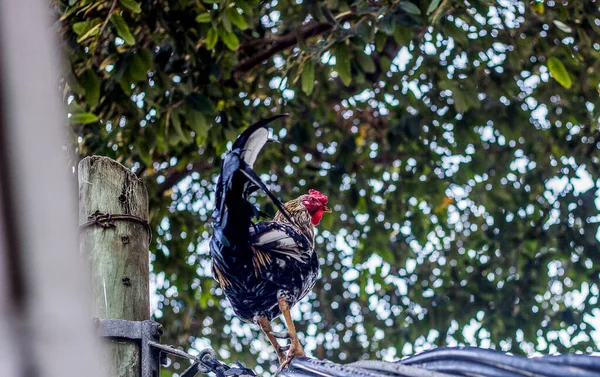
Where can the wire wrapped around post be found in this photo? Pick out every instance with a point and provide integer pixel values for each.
(107, 220)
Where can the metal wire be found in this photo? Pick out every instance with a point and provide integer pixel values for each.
(107, 220)
(205, 363)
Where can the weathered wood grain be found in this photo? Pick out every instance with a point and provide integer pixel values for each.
(118, 256)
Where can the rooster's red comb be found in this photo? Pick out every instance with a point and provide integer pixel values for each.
(317, 195)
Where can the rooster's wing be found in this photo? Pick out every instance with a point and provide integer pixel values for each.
(279, 239)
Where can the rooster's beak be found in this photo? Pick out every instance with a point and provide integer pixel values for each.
(328, 210)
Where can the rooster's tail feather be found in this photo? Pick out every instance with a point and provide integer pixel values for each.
(255, 179)
(233, 212)
(253, 139)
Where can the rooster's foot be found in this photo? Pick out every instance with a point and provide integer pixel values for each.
(296, 350)
(281, 353)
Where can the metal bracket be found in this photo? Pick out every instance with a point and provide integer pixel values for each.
(147, 335)
(144, 333)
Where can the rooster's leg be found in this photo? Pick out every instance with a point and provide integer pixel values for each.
(296, 349)
(265, 326)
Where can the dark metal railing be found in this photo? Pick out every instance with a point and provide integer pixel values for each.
(441, 362)
(454, 361)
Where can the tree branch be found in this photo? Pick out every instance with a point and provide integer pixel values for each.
(278, 45)
(174, 175)
(284, 42)
(110, 12)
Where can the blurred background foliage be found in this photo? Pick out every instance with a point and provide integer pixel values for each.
(457, 140)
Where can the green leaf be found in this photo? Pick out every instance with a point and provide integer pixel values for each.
(203, 18)
(237, 19)
(83, 118)
(342, 63)
(74, 107)
(83, 27)
(361, 206)
(410, 8)
(91, 85)
(584, 39)
(92, 32)
(73, 82)
(433, 6)
(125, 84)
(137, 68)
(387, 255)
(230, 39)
(226, 23)
(380, 39)
(198, 124)
(147, 58)
(559, 72)
(184, 136)
(388, 24)
(131, 5)
(199, 102)
(211, 38)
(87, 29)
(122, 29)
(460, 101)
(365, 32)
(537, 8)
(365, 62)
(385, 63)
(308, 77)
(403, 35)
(176, 134)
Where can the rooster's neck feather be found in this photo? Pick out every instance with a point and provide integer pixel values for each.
(299, 214)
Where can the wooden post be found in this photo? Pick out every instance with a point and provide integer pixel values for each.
(118, 255)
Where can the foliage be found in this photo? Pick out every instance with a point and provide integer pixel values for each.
(458, 142)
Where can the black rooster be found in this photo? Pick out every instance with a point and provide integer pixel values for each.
(264, 268)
